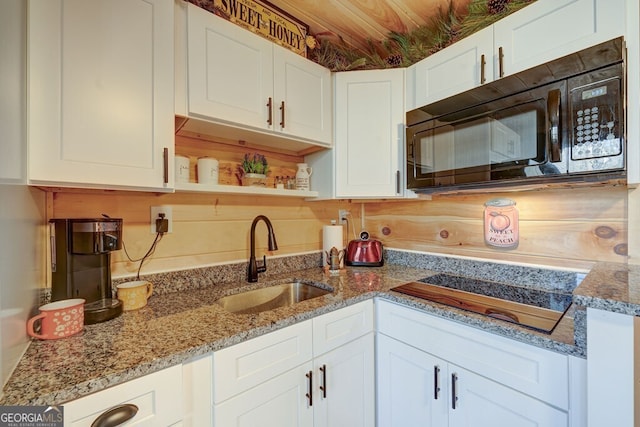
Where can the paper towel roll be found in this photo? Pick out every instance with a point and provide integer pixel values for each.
(331, 237)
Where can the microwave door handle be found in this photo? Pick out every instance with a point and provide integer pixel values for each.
(553, 111)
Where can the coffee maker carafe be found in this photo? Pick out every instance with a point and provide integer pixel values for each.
(81, 264)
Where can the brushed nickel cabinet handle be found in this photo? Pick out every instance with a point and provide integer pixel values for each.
(270, 109)
(309, 394)
(436, 382)
(323, 387)
(282, 115)
(501, 61)
(116, 416)
(483, 62)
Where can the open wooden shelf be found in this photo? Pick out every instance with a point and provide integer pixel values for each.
(236, 189)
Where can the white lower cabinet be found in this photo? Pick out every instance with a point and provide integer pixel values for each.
(435, 372)
(345, 391)
(418, 389)
(409, 386)
(278, 402)
(196, 392)
(156, 400)
(316, 373)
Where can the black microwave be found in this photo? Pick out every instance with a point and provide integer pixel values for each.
(560, 121)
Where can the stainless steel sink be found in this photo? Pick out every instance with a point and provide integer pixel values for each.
(270, 298)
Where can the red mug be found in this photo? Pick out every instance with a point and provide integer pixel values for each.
(58, 319)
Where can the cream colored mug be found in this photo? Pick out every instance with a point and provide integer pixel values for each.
(134, 295)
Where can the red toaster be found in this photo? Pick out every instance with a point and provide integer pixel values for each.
(364, 252)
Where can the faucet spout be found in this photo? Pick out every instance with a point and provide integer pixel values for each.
(253, 268)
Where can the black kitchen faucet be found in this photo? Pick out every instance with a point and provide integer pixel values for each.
(253, 269)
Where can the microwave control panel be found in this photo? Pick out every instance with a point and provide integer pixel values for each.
(596, 122)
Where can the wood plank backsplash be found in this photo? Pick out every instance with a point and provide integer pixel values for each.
(207, 228)
(570, 228)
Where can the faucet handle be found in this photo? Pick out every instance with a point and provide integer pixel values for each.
(262, 268)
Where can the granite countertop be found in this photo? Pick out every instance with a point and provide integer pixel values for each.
(177, 326)
(612, 287)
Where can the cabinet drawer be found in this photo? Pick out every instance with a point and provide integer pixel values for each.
(534, 371)
(342, 326)
(245, 365)
(158, 397)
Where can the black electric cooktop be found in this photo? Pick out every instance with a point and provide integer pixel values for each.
(536, 308)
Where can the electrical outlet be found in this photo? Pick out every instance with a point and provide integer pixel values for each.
(155, 214)
(342, 213)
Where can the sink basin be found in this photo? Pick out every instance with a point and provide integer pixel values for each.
(269, 298)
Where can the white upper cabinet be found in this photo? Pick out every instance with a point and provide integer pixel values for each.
(244, 87)
(462, 66)
(302, 90)
(230, 71)
(538, 33)
(369, 115)
(550, 29)
(100, 111)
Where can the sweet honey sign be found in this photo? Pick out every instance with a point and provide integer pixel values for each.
(265, 20)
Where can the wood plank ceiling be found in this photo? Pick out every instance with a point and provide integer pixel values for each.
(356, 21)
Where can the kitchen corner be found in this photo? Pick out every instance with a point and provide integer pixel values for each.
(175, 81)
(182, 322)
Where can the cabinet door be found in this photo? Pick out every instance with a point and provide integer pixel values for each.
(230, 71)
(101, 93)
(249, 363)
(550, 29)
(279, 402)
(197, 392)
(344, 391)
(480, 402)
(305, 89)
(529, 369)
(412, 386)
(369, 119)
(463, 65)
(157, 396)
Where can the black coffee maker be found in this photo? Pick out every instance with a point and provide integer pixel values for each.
(81, 264)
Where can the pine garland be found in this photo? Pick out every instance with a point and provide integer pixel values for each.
(405, 49)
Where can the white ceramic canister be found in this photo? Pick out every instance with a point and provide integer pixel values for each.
(182, 168)
(207, 170)
(302, 177)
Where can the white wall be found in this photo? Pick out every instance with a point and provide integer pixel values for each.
(22, 209)
(22, 268)
(12, 90)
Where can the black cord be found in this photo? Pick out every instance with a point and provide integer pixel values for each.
(150, 252)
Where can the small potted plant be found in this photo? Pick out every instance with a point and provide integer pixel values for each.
(254, 170)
